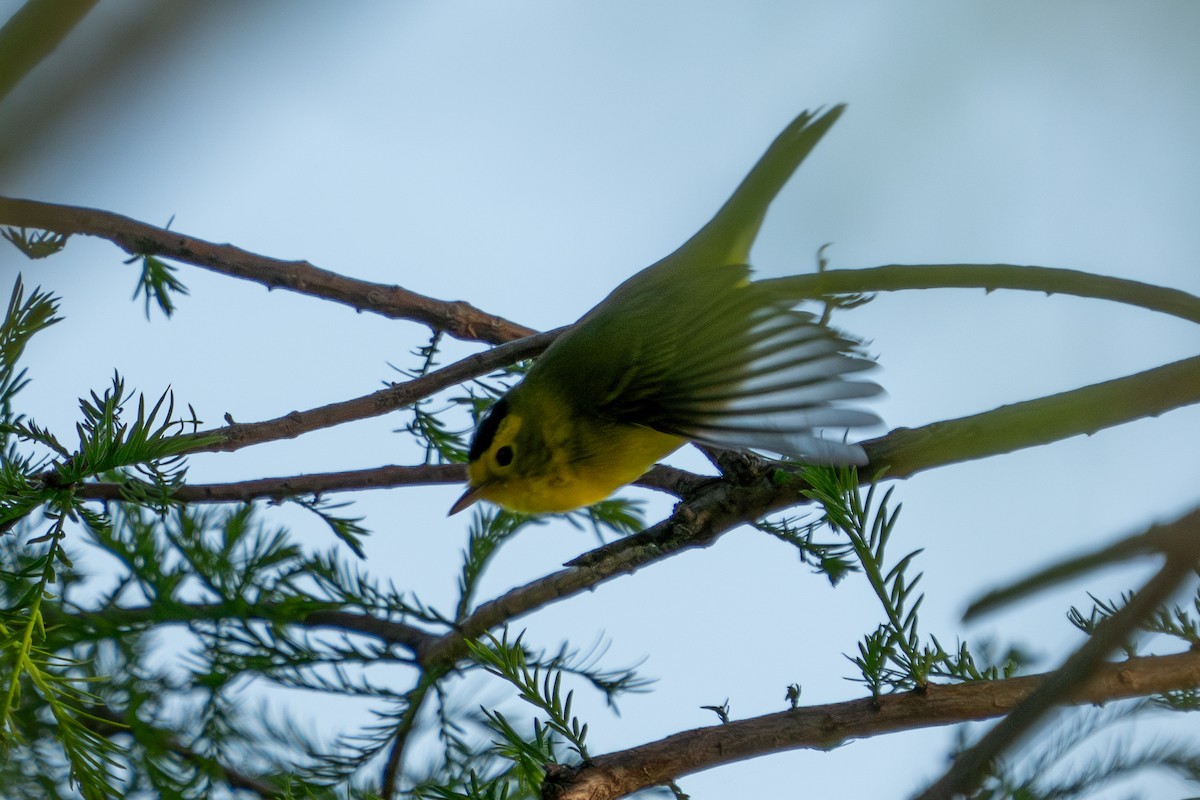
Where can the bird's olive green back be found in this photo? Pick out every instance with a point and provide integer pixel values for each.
(667, 346)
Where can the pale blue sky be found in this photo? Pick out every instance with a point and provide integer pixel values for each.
(528, 156)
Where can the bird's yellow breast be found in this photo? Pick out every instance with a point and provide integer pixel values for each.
(572, 459)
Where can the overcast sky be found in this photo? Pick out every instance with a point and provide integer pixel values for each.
(529, 156)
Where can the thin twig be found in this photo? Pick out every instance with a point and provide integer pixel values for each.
(291, 485)
(392, 768)
(387, 631)
(990, 277)
(108, 722)
(401, 395)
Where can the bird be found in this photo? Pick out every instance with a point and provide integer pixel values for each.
(687, 350)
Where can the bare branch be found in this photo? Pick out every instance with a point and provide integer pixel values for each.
(990, 277)
(239, 435)
(1183, 540)
(827, 726)
(464, 321)
(387, 631)
(713, 508)
(293, 485)
(458, 318)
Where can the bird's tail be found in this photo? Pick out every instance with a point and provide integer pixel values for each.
(729, 235)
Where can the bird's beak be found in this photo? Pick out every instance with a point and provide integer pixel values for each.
(469, 498)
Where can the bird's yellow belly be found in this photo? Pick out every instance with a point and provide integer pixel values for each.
(623, 454)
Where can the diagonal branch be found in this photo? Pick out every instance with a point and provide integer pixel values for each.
(906, 451)
(714, 508)
(1157, 539)
(400, 395)
(458, 318)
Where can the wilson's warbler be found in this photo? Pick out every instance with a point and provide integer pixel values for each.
(688, 349)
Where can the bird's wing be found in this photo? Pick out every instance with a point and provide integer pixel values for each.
(748, 372)
(689, 346)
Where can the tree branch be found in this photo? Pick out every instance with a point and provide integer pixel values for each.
(463, 321)
(827, 726)
(393, 765)
(387, 631)
(990, 277)
(400, 395)
(906, 451)
(108, 723)
(1183, 552)
(279, 488)
(713, 508)
(458, 318)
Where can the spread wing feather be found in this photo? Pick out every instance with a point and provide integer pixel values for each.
(689, 346)
(771, 380)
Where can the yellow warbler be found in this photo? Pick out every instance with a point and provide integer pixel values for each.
(688, 349)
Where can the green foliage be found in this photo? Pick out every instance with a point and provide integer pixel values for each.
(1173, 622)
(722, 711)
(443, 443)
(892, 657)
(345, 528)
(23, 318)
(52, 679)
(157, 282)
(490, 528)
(144, 455)
(833, 559)
(614, 515)
(35, 245)
(543, 691)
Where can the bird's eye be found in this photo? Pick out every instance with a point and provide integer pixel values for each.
(504, 456)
